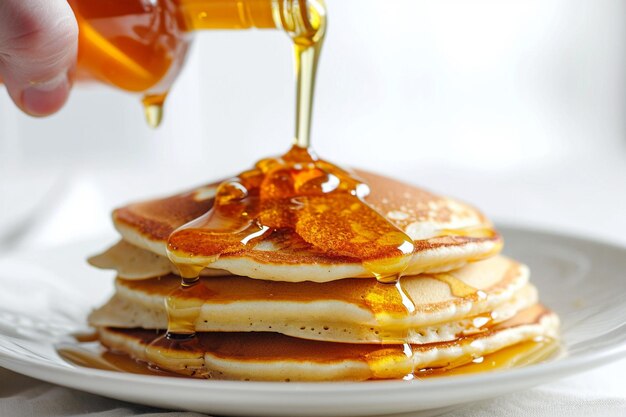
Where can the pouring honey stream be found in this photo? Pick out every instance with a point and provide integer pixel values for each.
(297, 193)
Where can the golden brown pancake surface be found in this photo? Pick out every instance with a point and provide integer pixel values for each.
(348, 310)
(427, 291)
(446, 234)
(272, 356)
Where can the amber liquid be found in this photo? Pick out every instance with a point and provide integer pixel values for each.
(93, 355)
(140, 45)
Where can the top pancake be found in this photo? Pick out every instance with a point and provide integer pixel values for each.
(447, 234)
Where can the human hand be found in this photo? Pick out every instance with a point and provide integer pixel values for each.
(38, 45)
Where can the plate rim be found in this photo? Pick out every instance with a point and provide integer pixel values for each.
(564, 366)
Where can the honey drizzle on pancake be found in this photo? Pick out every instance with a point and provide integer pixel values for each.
(315, 201)
(521, 354)
(320, 203)
(93, 356)
(458, 288)
(379, 298)
(273, 346)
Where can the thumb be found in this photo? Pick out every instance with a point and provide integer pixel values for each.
(38, 45)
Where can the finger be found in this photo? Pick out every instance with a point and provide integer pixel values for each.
(38, 45)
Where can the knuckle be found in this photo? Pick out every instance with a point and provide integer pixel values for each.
(36, 37)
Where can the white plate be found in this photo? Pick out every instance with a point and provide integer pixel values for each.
(47, 295)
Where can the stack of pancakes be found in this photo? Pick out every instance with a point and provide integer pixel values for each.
(286, 310)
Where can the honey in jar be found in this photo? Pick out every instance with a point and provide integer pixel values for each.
(140, 45)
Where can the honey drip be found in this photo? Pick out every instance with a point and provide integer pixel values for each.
(458, 288)
(153, 109)
(522, 354)
(134, 45)
(400, 351)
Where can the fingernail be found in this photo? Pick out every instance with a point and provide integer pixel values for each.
(44, 98)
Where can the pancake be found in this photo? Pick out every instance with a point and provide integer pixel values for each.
(276, 357)
(131, 263)
(347, 310)
(447, 234)
(293, 305)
